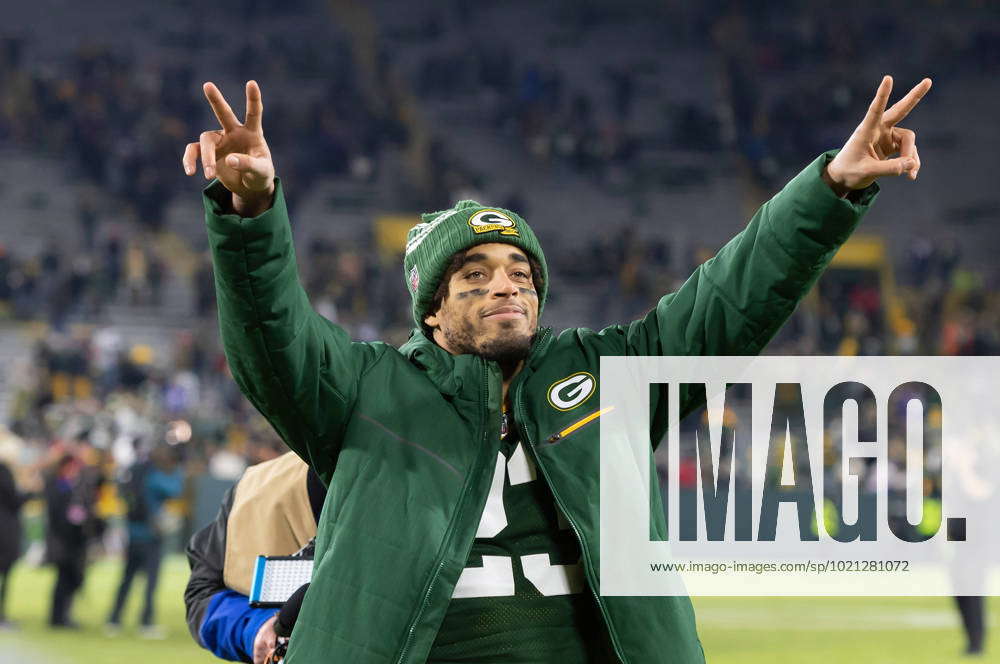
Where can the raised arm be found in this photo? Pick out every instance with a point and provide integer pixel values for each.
(735, 302)
(299, 369)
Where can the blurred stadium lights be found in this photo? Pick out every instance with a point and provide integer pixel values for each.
(178, 432)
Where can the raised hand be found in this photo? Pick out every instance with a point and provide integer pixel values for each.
(237, 154)
(867, 155)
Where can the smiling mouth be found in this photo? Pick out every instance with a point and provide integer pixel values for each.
(506, 313)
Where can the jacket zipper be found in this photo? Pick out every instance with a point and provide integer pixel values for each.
(579, 424)
(448, 536)
(588, 563)
(423, 605)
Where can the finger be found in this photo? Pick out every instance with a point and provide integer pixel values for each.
(908, 148)
(223, 113)
(902, 108)
(877, 106)
(255, 107)
(255, 172)
(897, 166)
(207, 142)
(190, 158)
(246, 164)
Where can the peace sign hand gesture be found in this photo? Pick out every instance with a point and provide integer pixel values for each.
(237, 154)
(865, 156)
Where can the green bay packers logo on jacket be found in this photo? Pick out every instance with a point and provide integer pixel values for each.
(570, 392)
(485, 221)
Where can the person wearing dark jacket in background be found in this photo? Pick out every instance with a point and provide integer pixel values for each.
(150, 483)
(273, 508)
(68, 511)
(11, 501)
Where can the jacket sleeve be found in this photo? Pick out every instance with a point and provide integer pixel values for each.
(220, 620)
(206, 554)
(231, 625)
(736, 302)
(300, 370)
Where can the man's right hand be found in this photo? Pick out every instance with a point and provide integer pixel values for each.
(265, 642)
(237, 154)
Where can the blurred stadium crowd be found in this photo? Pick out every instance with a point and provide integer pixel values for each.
(106, 292)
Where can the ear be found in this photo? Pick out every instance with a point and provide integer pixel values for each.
(431, 320)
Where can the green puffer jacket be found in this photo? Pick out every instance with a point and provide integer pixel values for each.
(407, 439)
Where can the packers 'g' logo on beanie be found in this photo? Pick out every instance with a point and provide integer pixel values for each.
(488, 220)
(431, 243)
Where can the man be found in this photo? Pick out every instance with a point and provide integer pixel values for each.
(461, 522)
(69, 510)
(272, 510)
(149, 484)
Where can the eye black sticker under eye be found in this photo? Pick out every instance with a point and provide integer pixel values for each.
(528, 291)
(475, 291)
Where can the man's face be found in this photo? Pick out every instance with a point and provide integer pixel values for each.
(491, 308)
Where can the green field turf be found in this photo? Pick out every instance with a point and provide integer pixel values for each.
(29, 598)
(733, 630)
(830, 630)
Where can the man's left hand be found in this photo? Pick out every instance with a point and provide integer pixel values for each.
(866, 155)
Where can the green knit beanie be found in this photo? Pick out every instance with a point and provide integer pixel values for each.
(431, 244)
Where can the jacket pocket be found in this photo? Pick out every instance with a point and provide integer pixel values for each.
(579, 424)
